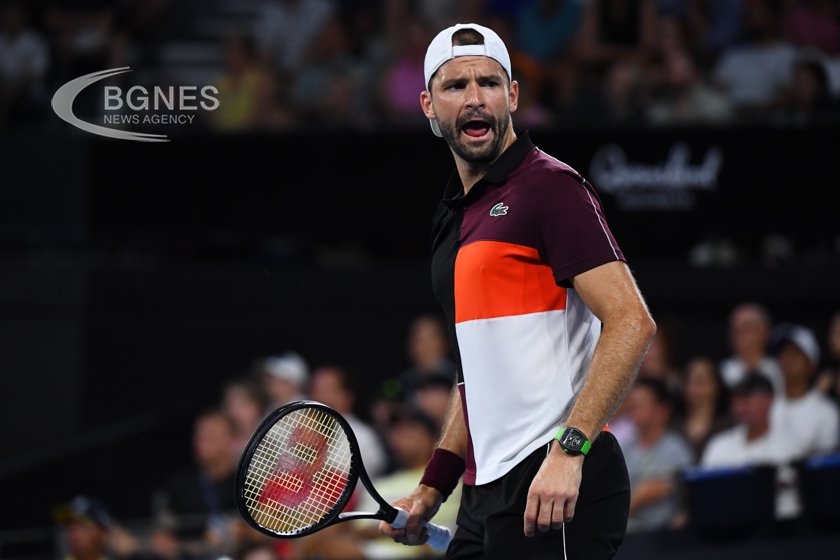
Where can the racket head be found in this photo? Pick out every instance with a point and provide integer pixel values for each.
(298, 471)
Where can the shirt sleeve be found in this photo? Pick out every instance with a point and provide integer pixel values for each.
(573, 233)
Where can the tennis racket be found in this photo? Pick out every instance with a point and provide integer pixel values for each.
(299, 470)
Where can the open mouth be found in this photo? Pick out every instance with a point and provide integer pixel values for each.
(476, 129)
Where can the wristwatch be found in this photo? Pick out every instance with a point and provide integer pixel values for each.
(573, 441)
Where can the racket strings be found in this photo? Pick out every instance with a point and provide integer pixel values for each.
(299, 472)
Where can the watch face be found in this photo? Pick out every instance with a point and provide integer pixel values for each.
(573, 440)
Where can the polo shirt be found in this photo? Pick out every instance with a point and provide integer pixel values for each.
(503, 258)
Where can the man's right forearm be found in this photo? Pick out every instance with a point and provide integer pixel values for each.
(454, 434)
(446, 465)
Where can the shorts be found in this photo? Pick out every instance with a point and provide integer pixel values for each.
(491, 516)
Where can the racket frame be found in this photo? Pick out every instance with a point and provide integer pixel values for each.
(386, 512)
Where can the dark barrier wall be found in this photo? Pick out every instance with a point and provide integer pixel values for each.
(664, 191)
(137, 278)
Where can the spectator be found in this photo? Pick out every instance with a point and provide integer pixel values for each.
(413, 439)
(752, 441)
(326, 90)
(403, 78)
(245, 401)
(813, 23)
(428, 351)
(681, 96)
(86, 525)
(286, 29)
(722, 26)
(613, 30)
(749, 333)
(432, 396)
(24, 59)
(654, 458)
(659, 364)
(331, 385)
(754, 75)
(284, 377)
(808, 101)
(196, 513)
(829, 379)
(245, 88)
(705, 406)
(546, 29)
(809, 419)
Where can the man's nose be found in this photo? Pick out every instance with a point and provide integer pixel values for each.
(474, 98)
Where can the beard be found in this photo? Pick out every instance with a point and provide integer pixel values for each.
(482, 155)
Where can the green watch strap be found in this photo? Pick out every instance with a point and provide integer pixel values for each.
(584, 449)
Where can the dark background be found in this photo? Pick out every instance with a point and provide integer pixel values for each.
(139, 277)
(135, 279)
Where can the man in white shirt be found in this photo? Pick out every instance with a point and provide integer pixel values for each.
(749, 334)
(752, 441)
(809, 420)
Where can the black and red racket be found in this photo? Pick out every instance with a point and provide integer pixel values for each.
(299, 470)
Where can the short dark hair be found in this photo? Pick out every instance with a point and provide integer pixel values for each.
(467, 36)
(658, 388)
(754, 382)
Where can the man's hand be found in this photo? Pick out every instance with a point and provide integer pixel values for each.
(421, 505)
(553, 492)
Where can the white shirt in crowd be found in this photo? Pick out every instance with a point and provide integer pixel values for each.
(370, 445)
(733, 370)
(811, 423)
(731, 448)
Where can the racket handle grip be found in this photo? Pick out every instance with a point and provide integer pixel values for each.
(439, 536)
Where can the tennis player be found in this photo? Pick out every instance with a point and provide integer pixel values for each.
(547, 324)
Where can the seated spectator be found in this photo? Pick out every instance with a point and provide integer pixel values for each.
(24, 59)
(432, 397)
(658, 362)
(829, 379)
(246, 403)
(752, 441)
(245, 88)
(331, 385)
(284, 377)
(813, 23)
(705, 404)
(547, 28)
(429, 353)
(286, 29)
(755, 74)
(749, 333)
(613, 30)
(809, 419)
(85, 524)
(197, 511)
(654, 459)
(808, 101)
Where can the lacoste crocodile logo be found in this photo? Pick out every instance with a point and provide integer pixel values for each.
(499, 210)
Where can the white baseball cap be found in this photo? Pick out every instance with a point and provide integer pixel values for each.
(441, 50)
(289, 366)
(801, 337)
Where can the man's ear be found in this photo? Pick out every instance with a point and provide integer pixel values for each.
(426, 105)
(513, 95)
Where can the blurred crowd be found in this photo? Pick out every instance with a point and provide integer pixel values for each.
(773, 402)
(303, 64)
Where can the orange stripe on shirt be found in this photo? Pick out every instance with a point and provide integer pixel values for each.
(499, 279)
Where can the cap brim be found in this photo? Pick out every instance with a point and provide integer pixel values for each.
(435, 127)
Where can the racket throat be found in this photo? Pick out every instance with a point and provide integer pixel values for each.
(351, 515)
